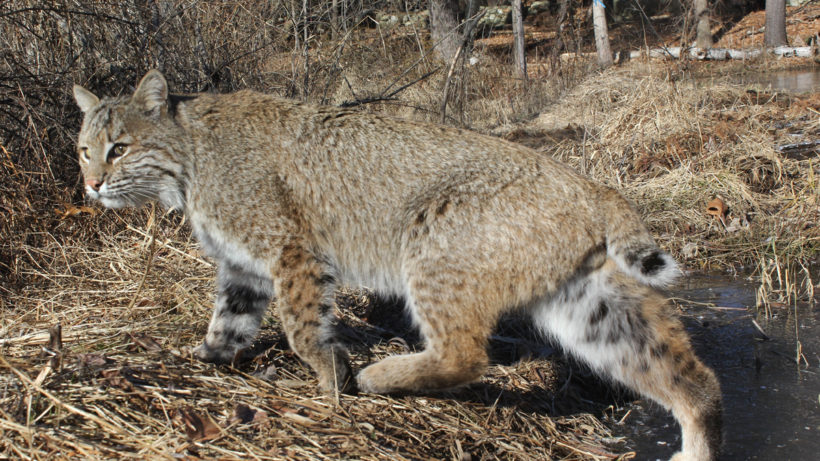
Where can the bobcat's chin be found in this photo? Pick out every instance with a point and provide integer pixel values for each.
(116, 201)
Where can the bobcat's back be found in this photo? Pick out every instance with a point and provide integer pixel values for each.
(359, 182)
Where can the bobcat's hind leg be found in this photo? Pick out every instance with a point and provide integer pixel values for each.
(305, 289)
(241, 301)
(628, 332)
(455, 329)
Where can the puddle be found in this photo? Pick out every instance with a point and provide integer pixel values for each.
(772, 406)
(792, 81)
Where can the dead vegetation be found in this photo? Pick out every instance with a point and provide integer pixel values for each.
(132, 293)
(673, 142)
(119, 380)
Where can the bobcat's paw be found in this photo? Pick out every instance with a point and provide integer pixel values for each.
(366, 383)
(378, 379)
(206, 353)
(336, 374)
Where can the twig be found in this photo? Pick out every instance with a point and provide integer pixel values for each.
(388, 97)
(760, 329)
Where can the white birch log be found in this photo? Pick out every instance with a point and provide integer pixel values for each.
(722, 54)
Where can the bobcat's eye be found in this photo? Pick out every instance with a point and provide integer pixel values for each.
(118, 150)
(84, 155)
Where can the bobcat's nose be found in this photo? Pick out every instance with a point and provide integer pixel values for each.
(94, 184)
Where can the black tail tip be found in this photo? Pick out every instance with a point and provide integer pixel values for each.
(652, 263)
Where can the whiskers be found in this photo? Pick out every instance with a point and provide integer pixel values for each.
(136, 190)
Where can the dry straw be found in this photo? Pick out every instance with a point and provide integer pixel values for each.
(133, 294)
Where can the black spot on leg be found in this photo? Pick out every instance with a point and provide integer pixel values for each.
(637, 322)
(325, 309)
(442, 208)
(633, 255)
(643, 366)
(617, 330)
(641, 341)
(421, 217)
(287, 285)
(242, 299)
(652, 263)
(599, 314)
(326, 279)
(689, 366)
(660, 350)
(638, 329)
(234, 338)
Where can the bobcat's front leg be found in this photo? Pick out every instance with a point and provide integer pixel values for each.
(241, 301)
(305, 289)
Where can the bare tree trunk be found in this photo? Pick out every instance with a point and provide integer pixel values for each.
(334, 20)
(443, 27)
(294, 16)
(559, 37)
(601, 33)
(704, 35)
(518, 34)
(775, 34)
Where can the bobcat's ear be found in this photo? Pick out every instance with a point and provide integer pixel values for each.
(85, 99)
(152, 92)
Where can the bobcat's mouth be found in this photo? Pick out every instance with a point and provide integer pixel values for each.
(109, 199)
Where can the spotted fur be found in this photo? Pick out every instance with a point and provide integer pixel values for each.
(295, 199)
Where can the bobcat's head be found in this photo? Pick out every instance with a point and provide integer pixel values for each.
(129, 148)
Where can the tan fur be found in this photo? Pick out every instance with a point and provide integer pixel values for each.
(294, 199)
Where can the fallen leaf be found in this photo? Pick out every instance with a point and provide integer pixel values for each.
(93, 360)
(114, 378)
(55, 338)
(68, 210)
(146, 342)
(717, 208)
(196, 427)
(244, 414)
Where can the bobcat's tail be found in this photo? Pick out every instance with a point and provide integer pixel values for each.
(631, 245)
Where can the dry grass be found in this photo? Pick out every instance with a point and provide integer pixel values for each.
(121, 382)
(673, 143)
(133, 294)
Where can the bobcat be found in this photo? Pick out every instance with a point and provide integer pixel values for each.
(294, 199)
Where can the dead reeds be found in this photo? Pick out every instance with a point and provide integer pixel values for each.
(673, 143)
